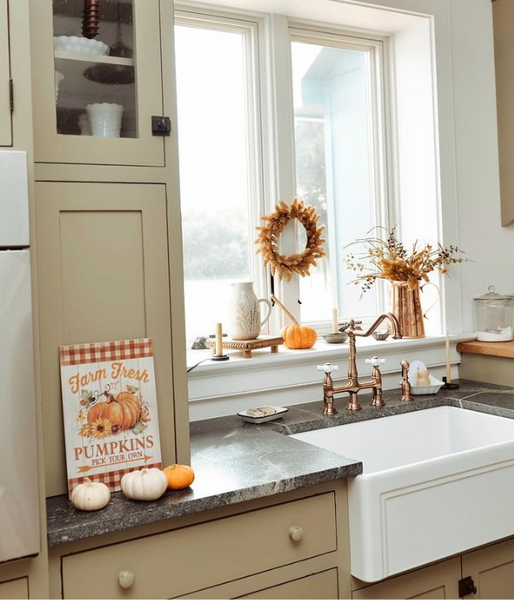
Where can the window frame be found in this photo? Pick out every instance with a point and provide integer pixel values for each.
(203, 18)
(272, 152)
(384, 210)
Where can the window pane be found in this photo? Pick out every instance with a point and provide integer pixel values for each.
(334, 168)
(214, 171)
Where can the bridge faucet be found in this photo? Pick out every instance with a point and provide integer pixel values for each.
(353, 385)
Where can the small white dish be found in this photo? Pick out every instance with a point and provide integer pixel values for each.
(247, 415)
(80, 45)
(422, 390)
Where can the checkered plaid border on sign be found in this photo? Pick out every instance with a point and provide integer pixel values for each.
(112, 480)
(81, 354)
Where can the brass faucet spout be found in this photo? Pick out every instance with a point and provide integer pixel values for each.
(394, 324)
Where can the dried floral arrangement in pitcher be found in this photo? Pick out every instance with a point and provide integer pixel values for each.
(267, 240)
(389, 259)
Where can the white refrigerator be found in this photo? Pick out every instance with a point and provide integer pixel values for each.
(19, 506)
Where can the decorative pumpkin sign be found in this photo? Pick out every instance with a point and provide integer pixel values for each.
(145, 485)
(90, 495)
(296, 336)
(179, 476)
(110, 410)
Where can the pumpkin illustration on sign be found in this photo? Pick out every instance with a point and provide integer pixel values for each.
(116, 414)
(122, 412)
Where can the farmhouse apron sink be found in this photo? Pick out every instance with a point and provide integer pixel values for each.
(435, 483)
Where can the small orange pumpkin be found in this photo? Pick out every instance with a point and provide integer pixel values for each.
(299, 337)
(179, 476)
(296, 336)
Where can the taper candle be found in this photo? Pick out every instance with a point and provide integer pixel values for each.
(448, 363)
(219, 335)
(335, 320)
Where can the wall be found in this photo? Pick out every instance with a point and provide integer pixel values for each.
(476, 146)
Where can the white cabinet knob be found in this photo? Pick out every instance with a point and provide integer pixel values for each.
(296, 533)
(126, 579)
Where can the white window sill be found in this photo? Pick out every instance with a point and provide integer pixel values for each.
(290, 377)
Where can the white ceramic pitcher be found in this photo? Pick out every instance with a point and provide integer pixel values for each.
(245, 315)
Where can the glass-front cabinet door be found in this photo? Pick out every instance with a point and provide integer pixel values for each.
(97, 81)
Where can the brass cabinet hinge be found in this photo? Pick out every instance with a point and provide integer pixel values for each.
(11, 94)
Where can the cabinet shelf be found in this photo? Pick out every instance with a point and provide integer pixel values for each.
(94, 60)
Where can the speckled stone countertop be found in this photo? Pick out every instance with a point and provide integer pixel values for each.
(236, 461)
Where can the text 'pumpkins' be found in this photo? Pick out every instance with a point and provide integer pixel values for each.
(296, 336)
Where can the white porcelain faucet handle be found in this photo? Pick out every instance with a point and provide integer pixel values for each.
(328, 368)
(375, 361)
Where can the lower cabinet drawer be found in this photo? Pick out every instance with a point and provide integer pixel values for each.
(17, 588)
(320, 585)
(200, 556)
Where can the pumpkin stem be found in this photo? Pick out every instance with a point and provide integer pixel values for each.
(87, 480)
(275, 299)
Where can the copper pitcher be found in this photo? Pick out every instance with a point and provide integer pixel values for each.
(406, 307)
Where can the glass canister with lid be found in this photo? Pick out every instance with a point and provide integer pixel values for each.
(494, 317)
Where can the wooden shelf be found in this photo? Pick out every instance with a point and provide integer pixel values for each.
(94, 60)
(503, 349)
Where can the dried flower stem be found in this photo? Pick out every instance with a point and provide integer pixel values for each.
(288, 313)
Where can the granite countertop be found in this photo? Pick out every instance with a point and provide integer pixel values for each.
(236, 461)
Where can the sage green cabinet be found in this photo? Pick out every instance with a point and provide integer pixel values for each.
(492, 570)
(318, 585)
(127, 73)
(103, 275)
(17, 588)
(436, 581)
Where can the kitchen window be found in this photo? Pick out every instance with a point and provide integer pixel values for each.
(269, 110)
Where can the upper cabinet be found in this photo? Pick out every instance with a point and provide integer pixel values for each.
(5, 76)
(503, 13)
(97, 77)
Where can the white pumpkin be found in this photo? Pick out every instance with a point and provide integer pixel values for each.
(90, 495)
(147, 484)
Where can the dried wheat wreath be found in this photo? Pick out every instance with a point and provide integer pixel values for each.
(267, 240)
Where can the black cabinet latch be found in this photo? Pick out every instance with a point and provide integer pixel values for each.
(467, 587)
(161, 126)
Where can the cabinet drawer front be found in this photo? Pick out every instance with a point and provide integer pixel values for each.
(17, 588)
(182, 561)
(317, 586)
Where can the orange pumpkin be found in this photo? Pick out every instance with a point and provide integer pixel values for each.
(296, 336)
(299, 337)
(179, 476)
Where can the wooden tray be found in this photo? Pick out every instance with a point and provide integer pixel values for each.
(248, 345)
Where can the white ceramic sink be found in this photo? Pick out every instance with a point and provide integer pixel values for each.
(436, 482)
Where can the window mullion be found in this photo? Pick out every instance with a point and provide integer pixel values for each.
(284, 159)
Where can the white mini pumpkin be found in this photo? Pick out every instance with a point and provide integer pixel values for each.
(90, 495)
(147, 484)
